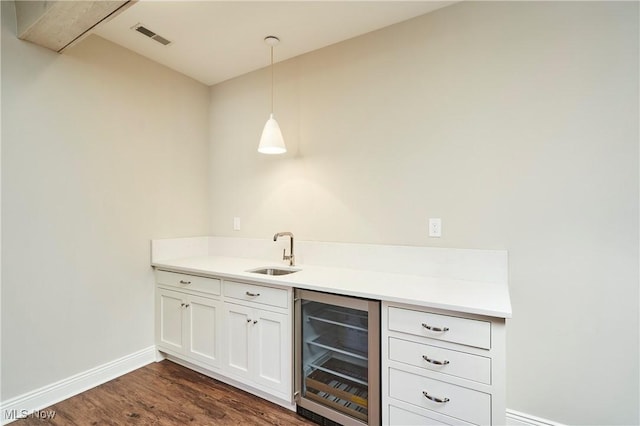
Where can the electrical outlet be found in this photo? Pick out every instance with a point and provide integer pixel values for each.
(435, 227)
(236, 223)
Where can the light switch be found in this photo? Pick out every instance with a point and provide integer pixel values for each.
(435, 227)
(236, 223)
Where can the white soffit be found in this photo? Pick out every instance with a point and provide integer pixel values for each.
(212, 41)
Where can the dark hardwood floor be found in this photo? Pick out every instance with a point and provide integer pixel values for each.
(165, 393)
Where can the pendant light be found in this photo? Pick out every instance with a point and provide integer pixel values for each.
(271, 141)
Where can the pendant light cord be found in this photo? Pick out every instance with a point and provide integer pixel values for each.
(271, 79)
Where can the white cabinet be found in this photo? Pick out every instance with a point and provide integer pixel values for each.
(273, 347)
(189, 325)
(258, 343)
(242, 335)
(437, 367)
(170, 320)
(239, 329)
(203, 326)
(441, 367)
(258, 346)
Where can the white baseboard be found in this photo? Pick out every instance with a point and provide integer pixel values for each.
(46, 396)
(516, 418)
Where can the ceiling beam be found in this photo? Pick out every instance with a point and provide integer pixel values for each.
(57, 25)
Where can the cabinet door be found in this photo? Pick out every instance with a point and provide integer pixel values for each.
(170, 326)
(238, 327)
(203, 317)
(271, 349)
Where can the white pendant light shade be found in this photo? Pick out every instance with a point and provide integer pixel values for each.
(271, 141)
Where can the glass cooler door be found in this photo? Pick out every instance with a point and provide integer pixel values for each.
(334, 345)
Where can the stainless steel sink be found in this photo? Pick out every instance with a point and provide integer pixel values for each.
(273, 270)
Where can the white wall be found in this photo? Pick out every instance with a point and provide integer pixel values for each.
(102, 150)
(517, 124)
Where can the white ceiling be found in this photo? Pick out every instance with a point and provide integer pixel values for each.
(213, 41)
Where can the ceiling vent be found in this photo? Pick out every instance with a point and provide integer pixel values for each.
(146, 31)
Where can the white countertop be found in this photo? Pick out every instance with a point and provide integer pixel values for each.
(461, 295)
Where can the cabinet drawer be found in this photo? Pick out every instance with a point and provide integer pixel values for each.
(188, 282)
(257, 293)
(441, 327)
(401, 417)
(455, 363)
(461, 403)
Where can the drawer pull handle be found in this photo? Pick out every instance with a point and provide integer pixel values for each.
(436, 329)
(434, 361)
(185, 282)
(248, 319)
(434, 398)
(248, 293)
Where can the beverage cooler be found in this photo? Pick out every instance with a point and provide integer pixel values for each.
(337, 358)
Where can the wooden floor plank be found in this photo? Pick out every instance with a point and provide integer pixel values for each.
(166, 394)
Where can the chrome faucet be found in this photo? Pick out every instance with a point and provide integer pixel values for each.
(291, 257)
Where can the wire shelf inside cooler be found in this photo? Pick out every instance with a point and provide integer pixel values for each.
(337, 344)
(339, 384)
(350, 318)
(332, 364)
